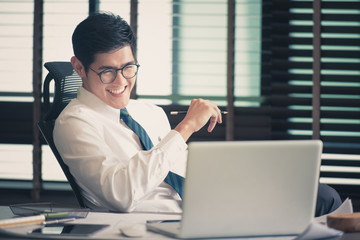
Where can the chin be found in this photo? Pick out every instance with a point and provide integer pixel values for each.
(119, 105)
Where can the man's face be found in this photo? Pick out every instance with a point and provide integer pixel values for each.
(117, 93)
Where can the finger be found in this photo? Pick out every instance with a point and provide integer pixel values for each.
(217, 118)
(220, 117)
(212, 124)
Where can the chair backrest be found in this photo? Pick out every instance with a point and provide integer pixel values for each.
(66, 83)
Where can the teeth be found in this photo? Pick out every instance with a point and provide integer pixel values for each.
(117, 91)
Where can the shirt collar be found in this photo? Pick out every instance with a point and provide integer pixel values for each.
(95, 103)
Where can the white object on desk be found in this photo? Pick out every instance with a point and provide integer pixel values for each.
(135, 230)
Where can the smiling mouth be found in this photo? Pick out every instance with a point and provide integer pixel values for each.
(117, 91)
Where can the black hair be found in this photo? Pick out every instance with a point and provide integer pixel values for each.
(101, 33)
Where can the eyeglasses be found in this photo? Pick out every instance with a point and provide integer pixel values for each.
(109, 75)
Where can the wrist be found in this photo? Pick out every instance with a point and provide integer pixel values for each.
(185, 130)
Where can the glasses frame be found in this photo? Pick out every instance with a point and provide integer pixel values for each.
(116, 71)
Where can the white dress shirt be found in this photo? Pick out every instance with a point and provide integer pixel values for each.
(106, 158)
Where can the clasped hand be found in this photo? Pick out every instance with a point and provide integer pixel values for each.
(199, 113)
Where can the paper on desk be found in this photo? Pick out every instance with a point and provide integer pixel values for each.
(319, 231)
(345, 207)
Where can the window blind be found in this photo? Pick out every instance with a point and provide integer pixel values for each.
(16, 29)
(16, 62)
(247, 53)
(60, 20)
(154, 51)
(199, 54)
(287, 80)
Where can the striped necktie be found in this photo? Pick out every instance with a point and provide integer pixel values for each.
(172, 179)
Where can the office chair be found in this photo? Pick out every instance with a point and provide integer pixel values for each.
(66, 82)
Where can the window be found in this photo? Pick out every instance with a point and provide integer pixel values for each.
(248, 53)
(16, 41)
(60, 19)
(154, 36)
(16, 30)
(16, 56)
(199, 60)
(288, 80)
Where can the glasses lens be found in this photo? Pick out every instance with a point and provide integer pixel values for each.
(108, 75)
(130, 71)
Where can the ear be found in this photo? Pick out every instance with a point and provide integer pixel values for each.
(78, 67)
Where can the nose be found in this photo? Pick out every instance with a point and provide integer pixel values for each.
(119, 78)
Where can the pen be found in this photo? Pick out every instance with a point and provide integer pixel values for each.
(162, 221)
(58, 221)
(21, 221)
(65, 215)
(184, 112)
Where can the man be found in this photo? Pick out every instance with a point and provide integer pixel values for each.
(105, 154)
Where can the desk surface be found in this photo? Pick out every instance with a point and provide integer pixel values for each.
(118, 221)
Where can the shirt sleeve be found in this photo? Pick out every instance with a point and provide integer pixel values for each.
(118, 180)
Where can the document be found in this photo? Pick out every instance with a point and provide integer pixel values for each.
(319, 231)
(345, 207)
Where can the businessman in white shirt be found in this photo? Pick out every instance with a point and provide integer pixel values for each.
(104, 155)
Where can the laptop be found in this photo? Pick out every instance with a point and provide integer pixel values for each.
(247, 188)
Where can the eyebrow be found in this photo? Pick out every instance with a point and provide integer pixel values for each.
(112, 67)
